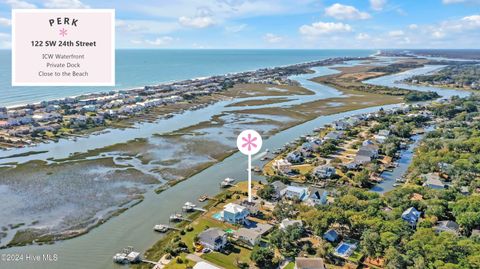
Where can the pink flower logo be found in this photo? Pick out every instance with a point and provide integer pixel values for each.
(63, 32)
(249, 142)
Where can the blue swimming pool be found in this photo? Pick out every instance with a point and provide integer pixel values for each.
(342, 249)
(217, 216)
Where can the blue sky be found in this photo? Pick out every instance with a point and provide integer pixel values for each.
(312, 24)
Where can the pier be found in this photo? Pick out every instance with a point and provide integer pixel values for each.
(189, 207)
(178, 217)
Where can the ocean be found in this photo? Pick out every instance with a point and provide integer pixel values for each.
(137, 68)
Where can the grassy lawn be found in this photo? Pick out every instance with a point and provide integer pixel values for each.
(290, 265)
(200, 225)
(175, 265)
(303, 168)
(229, 261)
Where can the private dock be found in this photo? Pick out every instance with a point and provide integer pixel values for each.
(178, 217)
(189, 207)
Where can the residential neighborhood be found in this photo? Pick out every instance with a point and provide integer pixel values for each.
(318, 211)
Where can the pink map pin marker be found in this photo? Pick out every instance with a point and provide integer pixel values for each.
(249, 142)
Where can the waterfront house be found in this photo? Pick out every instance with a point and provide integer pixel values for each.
(334, 135)
(287, 223)
(282, 165)
(213, 238)
(278, 186)
(340, 125)
(331, 236)
(324, 171)
(295, 193)
(366, 154)
(235, 214)
(433, 181)
(317, 197)
(447, 226)
(315, 143)
(89, 108)
(309, 263)
(253, 234)
(411, 215)
(295, 157)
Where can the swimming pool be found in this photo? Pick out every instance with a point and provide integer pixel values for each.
(345, 249)
(218, 216)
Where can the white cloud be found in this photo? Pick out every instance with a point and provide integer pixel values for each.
(65, 4)
(160, 41)
(146, 26)
(438, 34)
(321, 28)
(413, 26)
(461, 1)
(19, 4)
(396, 33)
(196, 22)
(362, 36)
(344, 12)
(272, 38)
(235, 28)
(378, 5)
(472, 21)
(5, 22)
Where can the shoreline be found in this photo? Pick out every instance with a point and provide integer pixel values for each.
(133, 88)
(29, 124)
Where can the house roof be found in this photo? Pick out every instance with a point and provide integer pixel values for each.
(211, 235)
(309, 263)
(234, 208)
(447, 226)
(433, 181)
(278, 185)
(411, 214)
(316, 193)
(296, 189)
(287, 222)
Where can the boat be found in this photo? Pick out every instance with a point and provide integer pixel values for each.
(128, 255)
(317, 130)
(120, 258)
(176, 217)
(257, 169)
(203, 198)
(188, 206)
(400, 180)
(227, 182)
(396, 184)
(160, 228)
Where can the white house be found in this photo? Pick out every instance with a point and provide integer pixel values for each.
(234, 213)
(213, 238)
(294, 192)
(282, 165)
(324, 171)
